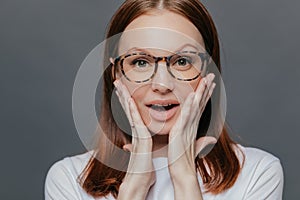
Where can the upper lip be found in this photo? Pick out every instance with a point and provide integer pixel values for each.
(163, 102)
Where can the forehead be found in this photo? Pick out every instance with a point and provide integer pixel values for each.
(162, 30)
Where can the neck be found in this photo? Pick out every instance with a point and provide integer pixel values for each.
(160, 145)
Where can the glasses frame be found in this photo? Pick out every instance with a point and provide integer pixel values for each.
(119, 60)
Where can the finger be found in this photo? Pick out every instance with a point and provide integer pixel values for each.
(123, 96)
(117, 93)
(202, 92)
(184, 119)
(141, 144)
(203, 142)
(210, 77)
(211, 89)
(137, 121)
(206, 95)
(200, 89)
(186, 109)
(121, 100)
(198, 97)
(210, 83)
(141, 137)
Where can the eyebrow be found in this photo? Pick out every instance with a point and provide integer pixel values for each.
(177, 50)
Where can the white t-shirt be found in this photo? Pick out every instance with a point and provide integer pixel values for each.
(260, 178)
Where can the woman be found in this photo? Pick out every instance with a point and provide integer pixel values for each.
(161, 84)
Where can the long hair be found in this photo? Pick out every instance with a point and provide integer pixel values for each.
(220, 168)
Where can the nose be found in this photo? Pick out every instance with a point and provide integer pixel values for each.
(162, 81)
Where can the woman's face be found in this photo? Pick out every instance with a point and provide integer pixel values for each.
(160, 33)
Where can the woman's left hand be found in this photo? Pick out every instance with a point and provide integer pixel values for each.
(183, 147)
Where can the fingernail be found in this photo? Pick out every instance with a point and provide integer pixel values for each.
(111, 60)
(117, 93)
(115, 83)
(125, 149)
(214, 85)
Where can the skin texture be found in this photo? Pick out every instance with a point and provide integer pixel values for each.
(163, 85)
(178, 132)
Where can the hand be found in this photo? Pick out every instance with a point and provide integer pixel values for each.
(140, 174)
(183, 147)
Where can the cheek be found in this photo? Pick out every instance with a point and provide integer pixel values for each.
(139, 95)
(136, 91)
(131, 87)
(184, 89)
(194, 84)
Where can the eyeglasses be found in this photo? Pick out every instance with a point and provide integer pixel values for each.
(140, 67)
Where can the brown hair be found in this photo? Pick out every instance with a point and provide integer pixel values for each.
(220, 168)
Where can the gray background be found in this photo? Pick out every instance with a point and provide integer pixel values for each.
(42, 44)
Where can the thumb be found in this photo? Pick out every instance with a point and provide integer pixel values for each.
(204, 145)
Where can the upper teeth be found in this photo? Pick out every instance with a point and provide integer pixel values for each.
(161, 104)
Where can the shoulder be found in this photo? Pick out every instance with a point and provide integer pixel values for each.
(69, 165)
(262, 173)
(62, 178)
(257, 155)
(257, 159)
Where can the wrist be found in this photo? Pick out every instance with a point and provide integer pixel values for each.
(186, 180)
(133, 192)
(180, 173)
(187, 188)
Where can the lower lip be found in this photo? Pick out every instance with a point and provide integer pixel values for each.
(163, 115)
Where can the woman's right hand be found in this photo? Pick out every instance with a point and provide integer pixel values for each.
(140, 174)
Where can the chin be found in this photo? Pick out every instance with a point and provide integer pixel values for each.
(162, 129)
(160, 133)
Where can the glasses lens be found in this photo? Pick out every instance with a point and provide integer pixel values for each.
(186, 65)
(138, 67)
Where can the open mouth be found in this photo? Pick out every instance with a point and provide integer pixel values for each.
(162, 108)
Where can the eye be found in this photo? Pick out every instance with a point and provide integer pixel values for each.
(183, 61)
(140, 63)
